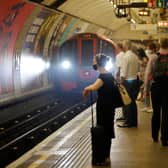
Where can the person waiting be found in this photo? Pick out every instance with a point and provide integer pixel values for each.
(159, 92)
(129, 79)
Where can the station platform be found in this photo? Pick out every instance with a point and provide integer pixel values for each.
(70, 147)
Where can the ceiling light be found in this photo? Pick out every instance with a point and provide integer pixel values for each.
(144, 12)
(163, 23)
(121, 12)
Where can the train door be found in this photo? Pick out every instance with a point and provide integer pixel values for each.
(87, 45)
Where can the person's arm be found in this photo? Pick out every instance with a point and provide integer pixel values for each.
(123, 69)
(117, 74)
(117, 67)
(93, 87)
(148, 71)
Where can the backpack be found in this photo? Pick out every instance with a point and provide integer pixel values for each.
(161, 67)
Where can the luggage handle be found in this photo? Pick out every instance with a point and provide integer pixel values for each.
(91, 100)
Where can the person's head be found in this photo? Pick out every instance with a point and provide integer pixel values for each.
(120, 46)
(127, 45)
(134, 49)
(152, 47)
(100, 60)
(141, 53)
(164, 43)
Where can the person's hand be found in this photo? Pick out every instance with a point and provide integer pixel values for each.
(122, 80)
(85, 92)
(145, 94)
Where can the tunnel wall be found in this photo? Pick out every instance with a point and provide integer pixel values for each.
(30, 33)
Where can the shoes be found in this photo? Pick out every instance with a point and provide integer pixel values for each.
(155, 139)
(120, 119)
(126, 125)
(164, 143)
(144, 109)
(107, 162)
(149, 110)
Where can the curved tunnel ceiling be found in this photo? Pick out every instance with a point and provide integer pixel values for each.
(101, 13)
(98, 12)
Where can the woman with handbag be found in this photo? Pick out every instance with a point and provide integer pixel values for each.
(129, 79)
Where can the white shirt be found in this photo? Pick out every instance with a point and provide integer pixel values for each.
(118, 62)
(131, 65)
(148, 53)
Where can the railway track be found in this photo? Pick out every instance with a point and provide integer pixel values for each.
(20, 135)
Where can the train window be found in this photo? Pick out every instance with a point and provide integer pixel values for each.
(69, 51)
(108, 49)
(87, 52)
(105, 47)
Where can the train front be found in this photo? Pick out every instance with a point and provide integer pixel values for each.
(75, 56)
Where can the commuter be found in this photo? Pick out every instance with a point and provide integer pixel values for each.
(143, 62)
(159, 92)
(104, 106)
(118, 69)
(151, 49)
(130, 81)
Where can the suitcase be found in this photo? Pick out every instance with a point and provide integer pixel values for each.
(97, 141)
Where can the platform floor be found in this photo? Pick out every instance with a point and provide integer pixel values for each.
(69, 147)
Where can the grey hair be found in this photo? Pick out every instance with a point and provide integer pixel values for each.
(127, 44)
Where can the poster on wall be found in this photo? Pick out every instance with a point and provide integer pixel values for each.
(69, 24)
(12, 18)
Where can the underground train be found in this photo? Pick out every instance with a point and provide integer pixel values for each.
(74, 60)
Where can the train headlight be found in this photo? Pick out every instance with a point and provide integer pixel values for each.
(66, 64)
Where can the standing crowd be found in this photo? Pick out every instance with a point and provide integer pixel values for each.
(144, 73)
